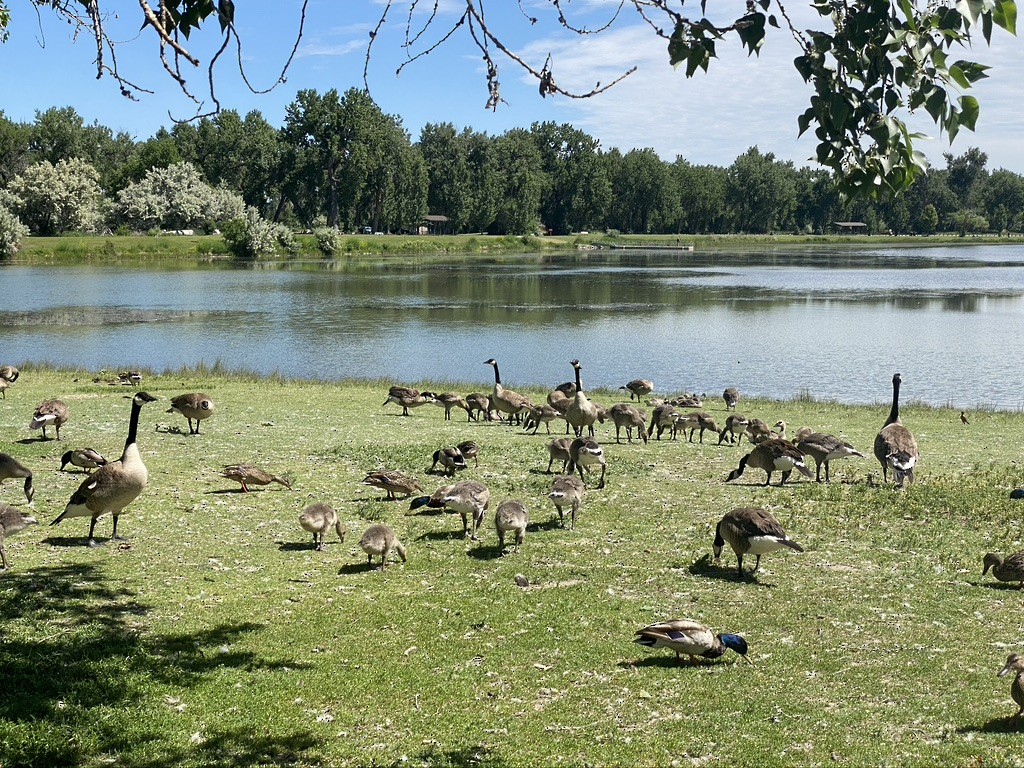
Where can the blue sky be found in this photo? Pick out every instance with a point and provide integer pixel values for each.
(712, 118)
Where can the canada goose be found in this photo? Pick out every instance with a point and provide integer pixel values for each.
(895, 445)
(802, 434)
(451, 460)
(379, 539)
(735, 427)
(47, 413)
(511, 517)
(541, 414)
(558, 450)
(193, 406)
(469, 498)
(449, 400)
(11, 521)
(638, 388)
(567, 490)
(1010, 569)
(779, 430)
(731, 395)
(1015, 663)
(824, 449)
(477, 403)
(392, 482)
(585, 452)
(689, 637)
(247, 475)
(398, 391)
(86, 458)
(408, 402)
(757, 431)
(470, 450)
(9, 373)
(505, 400)
(567, 388)
(581, 413)
(694, 421)
(687, 401)
(751, 531)
(129, 378)
(560, 401)
(625, 416)
(318, 519)
(116, 484)
(10, 467)
(773, 455)
(963, 418)
(4, 384)
(663, 417)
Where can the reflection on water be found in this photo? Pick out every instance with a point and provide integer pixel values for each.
(833, 322)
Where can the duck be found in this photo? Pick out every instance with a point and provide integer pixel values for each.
(380, 539)
(9, 373)
(581, 414)
(86, 458)
(585, 452)
(50, 413)
(116, 484)
(626, 416)
(753, 531)
(735, 427)
(690, 637)
(773, 455)
(895, 445)
(468, 498)
(1009, 569)
(663, 417)
(558, 450)
(10, 467)
(247, 475)
(408, 401)
(505, 400)
(391, 482)
(318, 519)
(511, 517)
(11, 521)
(450, 459)
(194, 406)
(567, 490)
(1015, 663)
(638, 388)
(470, 449)
(731, 396)
(824, 449)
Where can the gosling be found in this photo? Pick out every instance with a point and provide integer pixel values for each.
(318, 519)
(511, 517)
(379, 539)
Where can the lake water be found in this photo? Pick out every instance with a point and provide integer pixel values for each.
(835, 322)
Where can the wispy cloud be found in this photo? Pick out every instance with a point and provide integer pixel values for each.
(317, 48)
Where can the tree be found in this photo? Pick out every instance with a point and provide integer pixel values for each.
(521, 183)
(448, 190)
(51, 199)
(964, 172)
(15, 148)
(639, 187)
(702, 196)
(176, 197)
(12, 232)
(579, 191)
(761, 192)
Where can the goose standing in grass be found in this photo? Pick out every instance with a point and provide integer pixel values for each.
(10, 468)
(391, 482)
(470, 449)
(638, 388)
(663, 417)
(408, 401)
(689, 637)
(4, 384)
(9, 373)
(478, 403)
(194, 406)
(50, 413)
(116, 484)
(824, 449)
(541, 414)
(318, 519)
(247, 475)
(735, 427)
(511, 517)
(751, 531)
(85, 458)
(505, 400)
(895, 445)
(1015, 663)
(380, 540)
(1010, 569)
(11, 521)
(469, 499)
(449, 400)
(731, 396)
(694, 421)
(627, 417)
(758, 431)
(558, 450)
(450, 459)
(584, 453)
(567, 491)
(773, 455)
(581, 413)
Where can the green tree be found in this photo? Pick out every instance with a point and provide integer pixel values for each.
(484, 192)
(12, 232)
(1001, 196)
(58, 134)
(761, 192)
(448, 191)
(965, 172)
(51, 199)
(639, 187)
(521, 182)
(579, 191)
(702, 196)
(15, 148)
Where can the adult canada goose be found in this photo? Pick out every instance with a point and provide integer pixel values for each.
(751, 531)
(318, 519)
(380, 540)
(731, 396)
(663, 417)
(511, 517)
(895, 445)
(391, 482)
(625, 416)
(49, 413)
(470, 450)
(963, 418)
(247, 475)
(398, 391)
(116, 484)
(735, 427)
(638, 388)
(558, 450)
(1010, 569)
(773, 455)
(469, 498)
(411, 401)
(505, 400)
(823, 449)
(9, 373)
(567, 491)
(451, 460)
(689, 637)
(581, 413)
(86, 458)
(10, 467)
(1015, 663)
(687, 400)
(11, 521)
(585, 452)
(449, 400)
(193, 406)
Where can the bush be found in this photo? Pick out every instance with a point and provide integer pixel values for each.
(329, 240)
(12, 232)
(252, 237)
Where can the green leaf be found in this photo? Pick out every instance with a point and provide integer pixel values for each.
(908, 14)
(969, 111)
(972, 70)
(1005, 15)
(971, 10)
(958, 76)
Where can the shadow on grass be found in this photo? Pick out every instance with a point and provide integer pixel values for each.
(551, 524)
(668, 661)
(452, 535)
(705, 567)
(462, 757)
(1008, 724)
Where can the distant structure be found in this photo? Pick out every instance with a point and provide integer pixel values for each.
(851, 227)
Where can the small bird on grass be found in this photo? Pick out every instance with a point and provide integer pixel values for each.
(963, 417)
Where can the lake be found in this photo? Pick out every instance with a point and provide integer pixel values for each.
(833, 322)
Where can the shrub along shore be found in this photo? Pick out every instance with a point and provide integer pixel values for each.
(217, 636)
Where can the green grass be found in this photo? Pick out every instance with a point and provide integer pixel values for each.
(216, 636)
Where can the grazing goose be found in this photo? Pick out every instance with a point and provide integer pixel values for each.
(735, 426)
(86, 458)
(318, 519)
(688, 401)
(392, 482)
(663, 417)
(470, 450)
(581, 413)
(567, 490)
(505, 400)
(4, 384)
(478, 403)
(511, 517)
(731, 395)
(1010, 569)
(469, 498)
(541, 414)
(771, 456)
(560, 401)
(10, 467)
(116, 484)
(558, 450)
(625, 416)
(638, 388)
(758, 431)
(451, 460)
(449, 400)
(11, 521)
(689, 637)
(247, 475)
(895, 445)
(9, 373)
(407, 402)
(585, 452)
(751, 531)
(694, 421)
(823, 449)
(398, 391)
(1015, 663)
(380, 540)
(47, 413)
(194, 406)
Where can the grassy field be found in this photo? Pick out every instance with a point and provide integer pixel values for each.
(216, 636)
